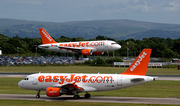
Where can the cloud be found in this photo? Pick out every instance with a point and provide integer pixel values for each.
(73, 10)
(173, 6)
(140, 6)
(31, 2)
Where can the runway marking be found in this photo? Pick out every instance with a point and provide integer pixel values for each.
(69, 98)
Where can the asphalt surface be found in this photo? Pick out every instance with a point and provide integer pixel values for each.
(143, 100)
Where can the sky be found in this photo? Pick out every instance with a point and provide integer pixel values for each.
(160, 11)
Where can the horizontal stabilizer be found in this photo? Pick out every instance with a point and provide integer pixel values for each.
(137, 79)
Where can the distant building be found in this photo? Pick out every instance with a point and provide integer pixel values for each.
(175, 60)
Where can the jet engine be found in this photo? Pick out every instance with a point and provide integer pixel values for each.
(87, 52)
(53, 92)
(91, 52)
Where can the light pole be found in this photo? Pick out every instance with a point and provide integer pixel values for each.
(17, 51)
(36, 51)
(113, 53)
(0, 51)
(127, 50)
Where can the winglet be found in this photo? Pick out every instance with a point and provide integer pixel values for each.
(45, 37)
(139, 66)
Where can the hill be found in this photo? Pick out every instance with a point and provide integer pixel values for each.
(117, 29)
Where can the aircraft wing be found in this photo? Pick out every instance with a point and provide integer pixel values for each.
(72, 48)
(71, 85)
(75, 86)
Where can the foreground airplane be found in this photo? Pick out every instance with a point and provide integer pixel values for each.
(57, 84)
(84, 47)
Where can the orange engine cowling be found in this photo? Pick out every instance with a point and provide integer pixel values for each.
(98, 53)
(53, 92)
(87, 52)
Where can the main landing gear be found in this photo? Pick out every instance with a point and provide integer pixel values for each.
(38, 94)
(76, 96)
(87, 95)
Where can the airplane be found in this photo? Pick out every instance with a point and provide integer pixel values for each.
(83, 47)
(57, 84)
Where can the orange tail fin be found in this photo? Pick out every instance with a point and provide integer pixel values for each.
(139, 66)
(45, 37)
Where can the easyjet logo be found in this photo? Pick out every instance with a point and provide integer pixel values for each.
(138, 61)
(83, 44)
(46, 36)
(73, 78)
(52, 91)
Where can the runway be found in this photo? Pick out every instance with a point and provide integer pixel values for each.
(141, 100)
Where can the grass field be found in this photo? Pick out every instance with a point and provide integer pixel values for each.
(56, 103)
(84, 69)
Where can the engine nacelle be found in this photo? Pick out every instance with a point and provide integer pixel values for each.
(98, 53)
(87, 52)
(53, 92)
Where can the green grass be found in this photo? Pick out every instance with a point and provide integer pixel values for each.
(152, 89)
(57, 103)
(84, 69)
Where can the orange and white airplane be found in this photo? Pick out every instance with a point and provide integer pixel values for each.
(84, 47)
(57, 84)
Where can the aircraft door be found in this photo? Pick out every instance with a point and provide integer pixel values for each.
(35, 78)
(119, 80)
(106, 45)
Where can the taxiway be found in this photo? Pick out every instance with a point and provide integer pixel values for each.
(141, 100)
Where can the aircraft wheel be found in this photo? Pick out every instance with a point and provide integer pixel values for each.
(37, 96)
(87, 95)
(76, 97)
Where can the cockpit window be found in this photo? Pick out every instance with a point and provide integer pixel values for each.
(26, 78)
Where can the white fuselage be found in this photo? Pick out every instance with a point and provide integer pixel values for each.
(70, 47)
(89, 82)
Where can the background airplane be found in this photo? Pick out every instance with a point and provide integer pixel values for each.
(57, 84)
(83, 47)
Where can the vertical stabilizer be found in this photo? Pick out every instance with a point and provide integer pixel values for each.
(45, 37)
(139, 66)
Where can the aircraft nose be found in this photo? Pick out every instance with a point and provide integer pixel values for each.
(20, 84)
(118, 46)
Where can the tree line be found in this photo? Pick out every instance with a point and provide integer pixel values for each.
(168, 48)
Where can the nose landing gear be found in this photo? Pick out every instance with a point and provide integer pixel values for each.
(76, 97)
(38, 94)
